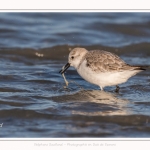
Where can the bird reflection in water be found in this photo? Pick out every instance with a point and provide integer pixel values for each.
(95, 103)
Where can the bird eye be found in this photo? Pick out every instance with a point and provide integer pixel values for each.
(72, 57)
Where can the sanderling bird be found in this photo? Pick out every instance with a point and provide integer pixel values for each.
(100, 67)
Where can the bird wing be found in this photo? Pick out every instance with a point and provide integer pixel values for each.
(103, 61)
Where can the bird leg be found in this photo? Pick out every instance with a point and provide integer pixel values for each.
(117, 89)
(101, 88)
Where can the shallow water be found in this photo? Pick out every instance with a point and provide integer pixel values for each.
(33, 100)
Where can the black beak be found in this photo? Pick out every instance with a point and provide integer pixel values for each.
(64, 68)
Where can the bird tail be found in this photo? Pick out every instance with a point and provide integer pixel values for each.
(142, 68)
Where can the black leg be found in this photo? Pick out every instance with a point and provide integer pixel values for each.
(117, 89)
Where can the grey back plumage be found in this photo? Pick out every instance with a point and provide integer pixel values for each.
(103, 61)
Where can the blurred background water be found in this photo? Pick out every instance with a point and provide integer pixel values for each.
(33, 100)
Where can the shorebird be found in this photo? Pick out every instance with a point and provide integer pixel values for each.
(100, 67)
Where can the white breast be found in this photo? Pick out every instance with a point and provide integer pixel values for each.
(87, 74)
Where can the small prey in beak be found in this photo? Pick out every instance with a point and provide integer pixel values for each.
(64, 68)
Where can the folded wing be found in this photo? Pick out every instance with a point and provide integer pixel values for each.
(103, 61)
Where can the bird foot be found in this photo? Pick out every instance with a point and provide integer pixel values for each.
(117, 89)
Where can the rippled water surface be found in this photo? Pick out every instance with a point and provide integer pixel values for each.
(33, 100)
